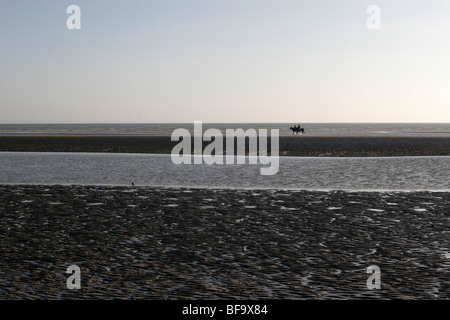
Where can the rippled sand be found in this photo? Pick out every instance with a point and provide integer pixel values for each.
(158, 243)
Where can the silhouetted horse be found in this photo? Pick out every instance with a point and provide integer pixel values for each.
(296, 130)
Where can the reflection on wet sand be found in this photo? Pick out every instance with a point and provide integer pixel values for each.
(163, 243)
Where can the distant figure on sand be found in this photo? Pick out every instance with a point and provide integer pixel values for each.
(296, 130)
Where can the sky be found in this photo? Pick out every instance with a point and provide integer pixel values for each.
(169, 61)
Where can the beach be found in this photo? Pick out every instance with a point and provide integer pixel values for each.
(186, 243)
(342, 146)
(148, 242)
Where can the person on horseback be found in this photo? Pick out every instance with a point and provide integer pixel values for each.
(297, 130)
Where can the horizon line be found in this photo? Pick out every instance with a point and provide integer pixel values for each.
(134, 123)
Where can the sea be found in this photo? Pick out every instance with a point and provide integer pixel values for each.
(319, 129)
(307, 173)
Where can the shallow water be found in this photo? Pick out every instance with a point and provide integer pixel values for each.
(311, 173)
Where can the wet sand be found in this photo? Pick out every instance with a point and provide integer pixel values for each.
(164, 243)
(342, 146)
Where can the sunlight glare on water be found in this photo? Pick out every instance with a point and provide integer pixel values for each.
(312, 173)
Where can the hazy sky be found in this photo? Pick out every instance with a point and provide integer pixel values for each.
(224, 61)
